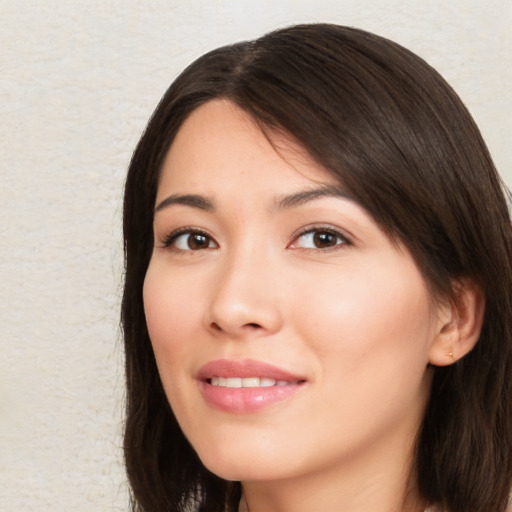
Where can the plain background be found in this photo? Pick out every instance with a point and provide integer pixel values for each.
(78, 82)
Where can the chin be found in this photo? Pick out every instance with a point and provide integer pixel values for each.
(234, 470)
(240, 468)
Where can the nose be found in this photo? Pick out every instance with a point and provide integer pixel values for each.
(245, 301)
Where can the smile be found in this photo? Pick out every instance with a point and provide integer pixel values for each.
(246, 386)
(249, 382)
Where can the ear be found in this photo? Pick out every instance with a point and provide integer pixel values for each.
(459, 324)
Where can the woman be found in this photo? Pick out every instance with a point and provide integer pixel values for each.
(317, 309)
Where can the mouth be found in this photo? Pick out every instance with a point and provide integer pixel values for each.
(245, 386)
(250, 382)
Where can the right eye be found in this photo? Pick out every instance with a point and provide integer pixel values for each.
(190, 240)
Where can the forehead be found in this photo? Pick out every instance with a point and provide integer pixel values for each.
(219, 142)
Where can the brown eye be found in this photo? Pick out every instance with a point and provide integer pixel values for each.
(323, 239)
(190, 241)
(197, 241)
(320, 239)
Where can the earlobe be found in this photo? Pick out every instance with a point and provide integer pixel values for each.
(460, 323)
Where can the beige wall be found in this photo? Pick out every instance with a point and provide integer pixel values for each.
(78, 81)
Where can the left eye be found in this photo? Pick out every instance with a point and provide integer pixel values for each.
(319, 239)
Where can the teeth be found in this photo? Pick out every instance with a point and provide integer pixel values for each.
(233, 382)
(248, 382)
(251, 382)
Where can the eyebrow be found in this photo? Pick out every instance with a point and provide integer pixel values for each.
(193, 200)
(284, 203)
(300, 198)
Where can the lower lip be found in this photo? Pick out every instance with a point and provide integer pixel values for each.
(246, 400)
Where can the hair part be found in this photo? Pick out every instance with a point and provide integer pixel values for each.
(400, 141)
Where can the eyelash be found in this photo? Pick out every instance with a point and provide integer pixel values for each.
(171, 238)
(343, 239)
(169, 241)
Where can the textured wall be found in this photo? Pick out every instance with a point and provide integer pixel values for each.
(78, 81)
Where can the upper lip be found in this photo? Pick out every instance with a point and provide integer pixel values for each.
(244, 368)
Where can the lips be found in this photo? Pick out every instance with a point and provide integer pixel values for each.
(246, 386)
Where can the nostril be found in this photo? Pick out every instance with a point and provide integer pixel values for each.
(235, 330)
(216, 326)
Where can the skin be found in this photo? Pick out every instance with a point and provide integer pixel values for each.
(353, 316)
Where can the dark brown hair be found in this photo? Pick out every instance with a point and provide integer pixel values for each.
(393, 132)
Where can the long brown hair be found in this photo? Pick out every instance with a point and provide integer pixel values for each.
(394, 133)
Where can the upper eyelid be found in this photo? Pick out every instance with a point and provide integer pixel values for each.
(323, 227)
(173, 235)
(347, 237)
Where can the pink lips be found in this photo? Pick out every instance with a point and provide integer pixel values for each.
(246, 399)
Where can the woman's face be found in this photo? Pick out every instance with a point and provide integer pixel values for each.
(291, 335)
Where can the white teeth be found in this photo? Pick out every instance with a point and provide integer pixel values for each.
(251, 382)
(248, 382)
(233, 382)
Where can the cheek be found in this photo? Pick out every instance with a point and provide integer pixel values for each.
(172, 316)
(171, 311)
(371, 344)
(369, 319)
